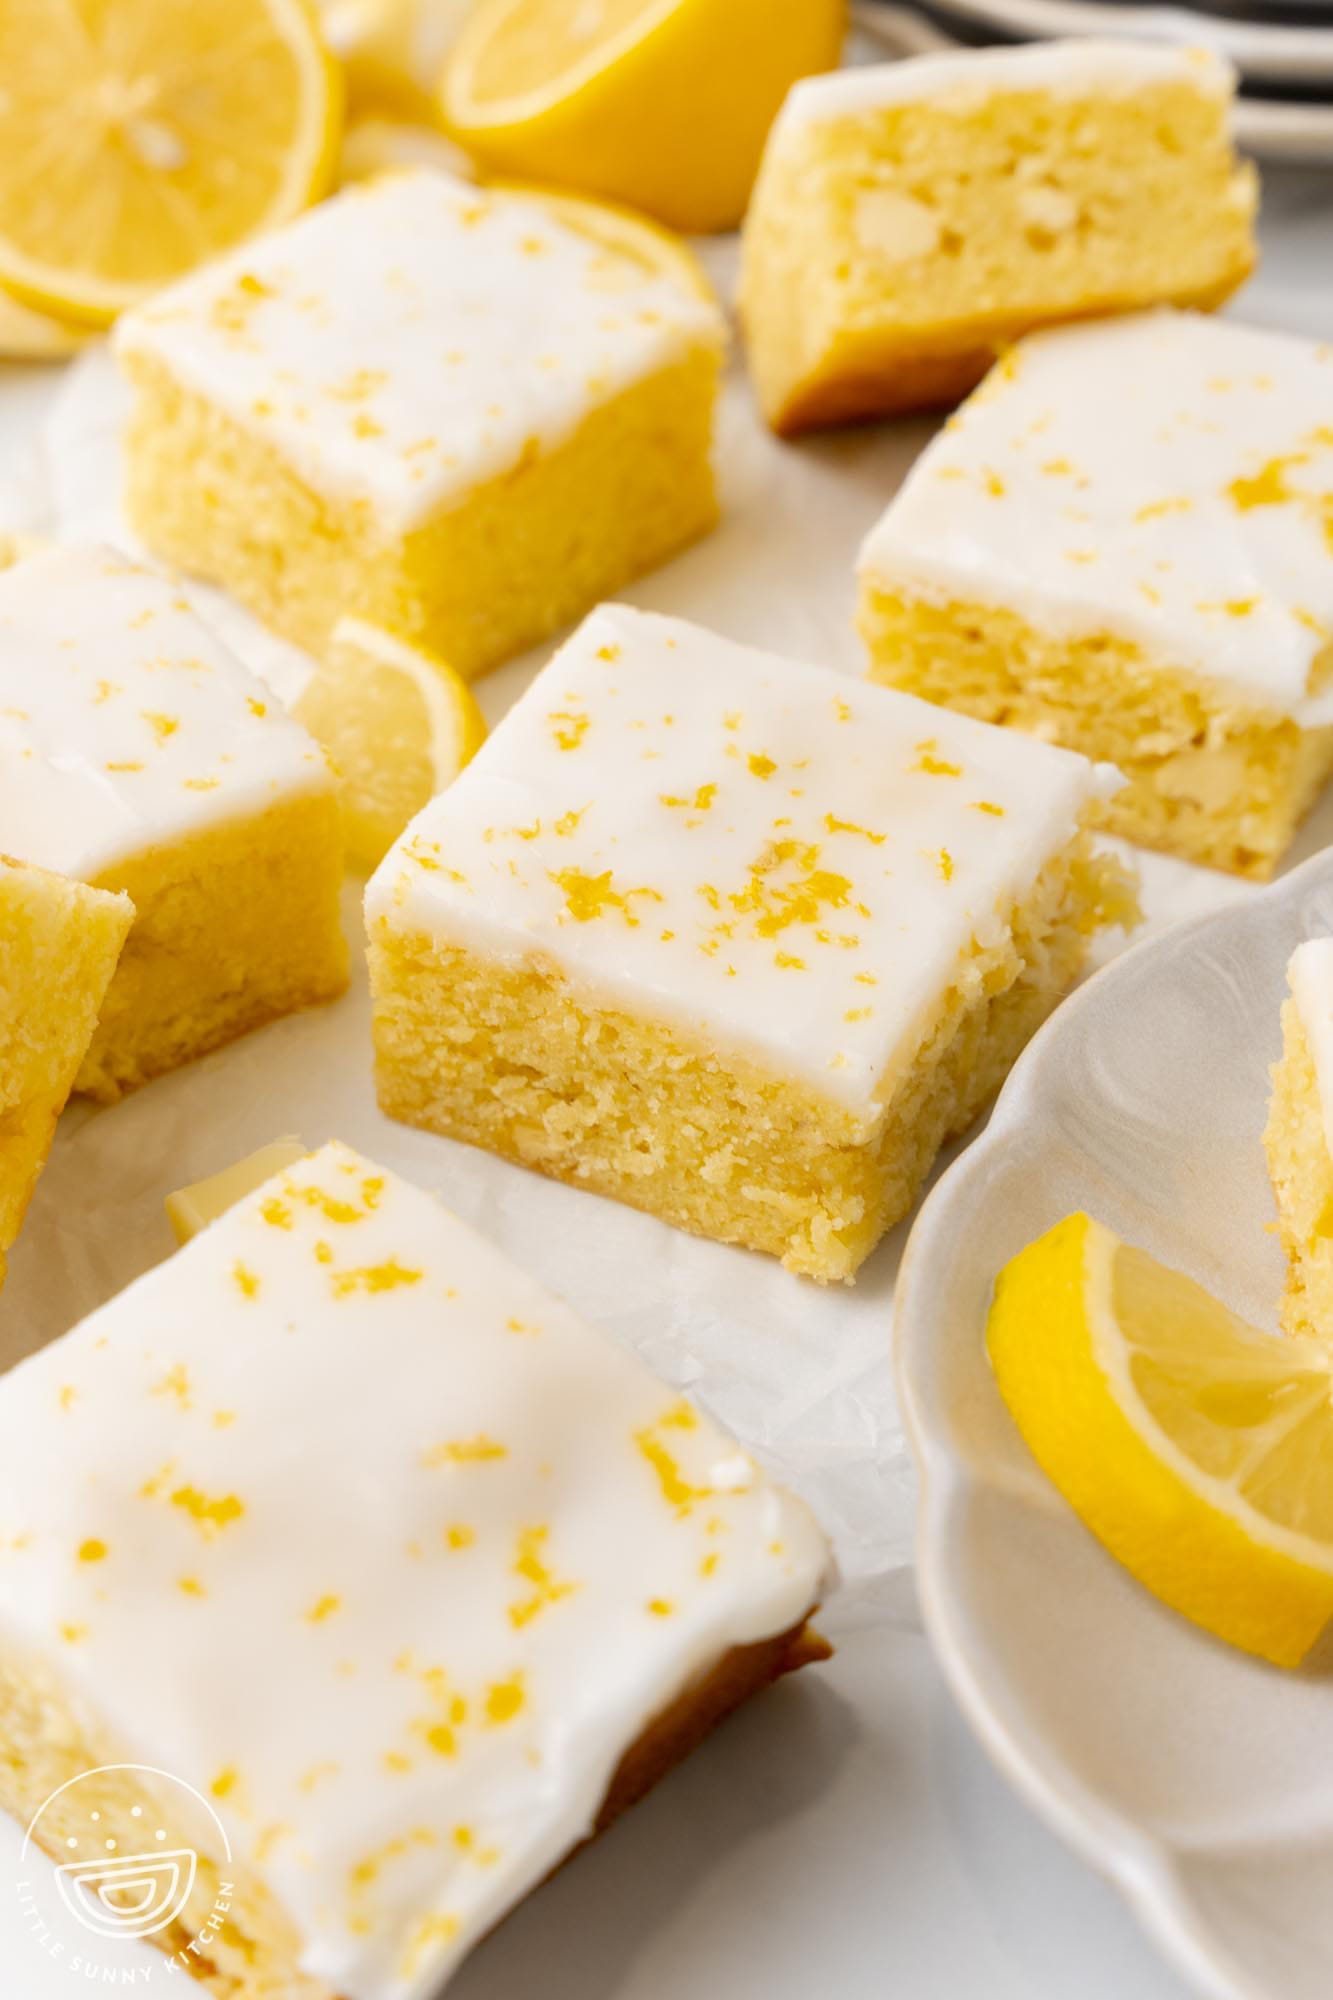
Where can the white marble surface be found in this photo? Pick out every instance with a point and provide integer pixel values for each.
(844, 1836)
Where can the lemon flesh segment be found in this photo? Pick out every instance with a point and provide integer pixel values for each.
(192, 1208)
(139, 138)
(398, 724)
(1197, 1449)
(663, 104)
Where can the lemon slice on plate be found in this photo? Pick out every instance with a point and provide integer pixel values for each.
(399, 725)
(664, 104)
(1197, 1449)
(140, 137)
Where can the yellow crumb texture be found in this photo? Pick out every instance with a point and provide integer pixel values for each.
(889, 254)
(231, 1932)
(522, 554)
(59, 943)
(1209, 777)
(512, 1057)
(1302, 1176)
(233, 928)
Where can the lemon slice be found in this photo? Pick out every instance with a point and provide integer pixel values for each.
(140, 137)
(399, 725)
(664, 104)
(1198, 1450)
(392, 50)
(632, 240)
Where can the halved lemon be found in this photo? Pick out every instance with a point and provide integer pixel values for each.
(1196, 1448)
(399, 725)
(664, 104)
(140, 137)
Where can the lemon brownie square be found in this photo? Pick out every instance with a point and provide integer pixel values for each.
(1297, 1141)
(138, 755)
(912, 218)
(59, 943)
(729, 938)
(463, 416)
(547, 1579)
(1121, 544)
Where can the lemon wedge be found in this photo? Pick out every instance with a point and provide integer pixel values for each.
(140, 137)
(1197, 1449)
(399, 725)
(664, 104)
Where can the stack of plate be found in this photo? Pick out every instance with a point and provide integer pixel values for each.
(1283, 49)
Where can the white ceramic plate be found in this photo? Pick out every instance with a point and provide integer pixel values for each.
(1197, 1778)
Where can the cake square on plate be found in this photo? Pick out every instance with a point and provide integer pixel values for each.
(1122, 544)
(912, 218)
(496, 1578)
(462, 415)
(137, 754)
(728, 938)
(1299, 1140)
(59, 943)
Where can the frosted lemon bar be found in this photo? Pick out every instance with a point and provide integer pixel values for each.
(1121, 544)
(137, 754)
(463, 416)
(1298, 1140)
(729, 938)
(910, 219)
(497, 1578)
(59, 943)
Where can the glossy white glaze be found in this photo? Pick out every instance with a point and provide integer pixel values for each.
(1166, 477)
(125, 724)
(416, 335)
(789, 862)
(958, 82)
(339, 1517)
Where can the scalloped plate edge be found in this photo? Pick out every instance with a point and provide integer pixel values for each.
(1140, 1867)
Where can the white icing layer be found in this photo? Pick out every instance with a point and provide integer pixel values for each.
(124, 723)
(342, 1519)
(415, 336)
(1310, 977)
(958, 82)
(1165, 477)
(787, 862)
